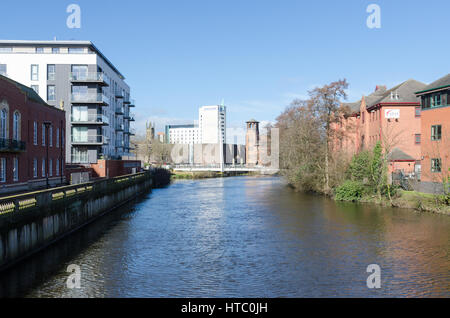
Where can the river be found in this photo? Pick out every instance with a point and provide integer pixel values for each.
(243, 237)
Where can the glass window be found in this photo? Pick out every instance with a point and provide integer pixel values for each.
(16, 169)
(79, 113)
(55, 50)
(34, 72)
(43, 167)
(57, 137)
(43, 135)
(418, 111)
(418, 138)
(57, 167)
(50, 167)
(51, 95)
(35, 167)
(16, 126)
(50, 136)
(51, 71)
(436, 132)
(435, 165)
(39, 50)
(3, 121)
(3, 69)
(5, 49)
(2, 169)
(76, 50)
(35, 133)
(79, 72)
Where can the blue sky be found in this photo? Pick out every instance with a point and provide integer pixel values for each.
(256, 55)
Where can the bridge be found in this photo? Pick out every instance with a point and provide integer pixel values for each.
(225, 168)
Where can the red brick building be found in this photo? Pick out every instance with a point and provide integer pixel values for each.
(435, 102)
(31, 139)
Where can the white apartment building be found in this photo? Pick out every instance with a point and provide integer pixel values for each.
(76, 76)
(182, 134)
(212, 124)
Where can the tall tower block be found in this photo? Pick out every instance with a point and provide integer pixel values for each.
(252, 143)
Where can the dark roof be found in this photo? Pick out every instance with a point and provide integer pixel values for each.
(405, 91)
(440, 83)
(252, 121)
(29, 92)
(397, 154)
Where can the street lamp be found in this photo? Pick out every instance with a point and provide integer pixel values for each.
(47, 125)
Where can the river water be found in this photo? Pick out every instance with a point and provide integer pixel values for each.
(243, 237)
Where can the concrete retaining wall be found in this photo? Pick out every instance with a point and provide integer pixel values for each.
(32, 221)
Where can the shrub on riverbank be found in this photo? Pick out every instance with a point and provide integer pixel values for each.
(350, 191)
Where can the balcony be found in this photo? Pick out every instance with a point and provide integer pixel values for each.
(119, 93)
(92, 77)
(119, 127)
(89, 119)
(89, 140)
(132, 103)
(126, 101)
(10, 145)
(129, 116)
(98, 98)
(130, 131)
(119, 110)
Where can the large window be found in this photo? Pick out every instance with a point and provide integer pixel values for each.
(50, 136)
(16, 126)
(39, 50)
(50, 167)
(80, 113)
(57, 137)
(55, 50)
(35, 72)
(51, 72)
(57, 167)
(35, 133)
(435, 165)
(3, 123)
(3, 69)
(35, 168)
(16, 169)
(43, 167)
(79, 134)
(79, 155)
(43, 135)
(79, 72)
(2, 169)
(51, 93)
(76, 50)
(436, 132)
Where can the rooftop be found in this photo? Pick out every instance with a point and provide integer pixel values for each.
(402, 93)
(440, 83)
(61, 43)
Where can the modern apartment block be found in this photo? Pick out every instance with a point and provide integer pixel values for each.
(435, 102)
(212, 124)
(77, 77)
(182, 134)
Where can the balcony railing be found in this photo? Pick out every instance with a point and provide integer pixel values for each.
(119, 110)
(119, 93)
(132, 103)
(98, 98)
(130, 131)
(91, 77)
(119, 127)
(10, 145)
(90, 119)
(89, 140)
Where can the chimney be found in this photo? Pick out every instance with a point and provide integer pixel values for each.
(380, 88)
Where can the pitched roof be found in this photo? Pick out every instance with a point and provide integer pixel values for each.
(440, 83)
(29, 92)
(398, 154)
(402, 93)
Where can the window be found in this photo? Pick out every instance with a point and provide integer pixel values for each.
(55, 50)
(2, 169)
(436, 132)
(34, 72)
(43, 135)
(418, 111)
(3, 69)
(62, 138)
(39, 50)
(435, 165)
(35, 168)
(79, 72)
(417, 138)
(50, 167)
(35, 133)
(79, 113)
(3, 123)
(16, 126)
(16, 169)
(50, 136)
(43, 167)
(5, 49)
(76, 50)
(51, 93)
(35, 88)
(51, 71)
(57, 167)
(57, 137)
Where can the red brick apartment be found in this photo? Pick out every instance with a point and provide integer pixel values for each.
(391, 116)
(435, 102)
(28, 129)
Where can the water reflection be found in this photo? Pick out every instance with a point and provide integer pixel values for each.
(245, 237)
